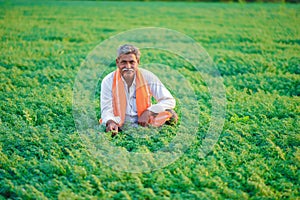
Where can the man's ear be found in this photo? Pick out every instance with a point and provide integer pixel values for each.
(138, 61)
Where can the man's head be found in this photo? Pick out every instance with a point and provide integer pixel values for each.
(129, 49)
(128, 60)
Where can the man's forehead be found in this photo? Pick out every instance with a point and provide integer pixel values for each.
(127, 57)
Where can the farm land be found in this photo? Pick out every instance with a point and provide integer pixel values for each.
(255, 48)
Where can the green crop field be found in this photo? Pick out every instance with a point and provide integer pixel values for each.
(256, 49)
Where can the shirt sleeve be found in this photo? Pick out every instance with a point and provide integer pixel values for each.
(162, 95)
(106, 100)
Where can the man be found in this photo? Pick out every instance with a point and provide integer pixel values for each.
(126, 94)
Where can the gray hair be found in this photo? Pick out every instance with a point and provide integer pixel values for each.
(128, 49)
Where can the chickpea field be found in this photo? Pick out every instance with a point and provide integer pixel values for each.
(255, 48)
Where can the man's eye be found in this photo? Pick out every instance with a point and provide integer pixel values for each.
(132, 62)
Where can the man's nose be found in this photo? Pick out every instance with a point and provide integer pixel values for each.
(128, 65)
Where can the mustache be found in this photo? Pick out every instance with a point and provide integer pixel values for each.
(127, 69)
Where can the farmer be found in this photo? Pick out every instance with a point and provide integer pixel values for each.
(126, 95)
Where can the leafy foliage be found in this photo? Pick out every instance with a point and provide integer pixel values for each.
(256, 50)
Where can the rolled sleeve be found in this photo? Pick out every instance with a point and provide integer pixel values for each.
(164, 98)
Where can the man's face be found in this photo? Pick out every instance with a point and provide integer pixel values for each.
(127, 64)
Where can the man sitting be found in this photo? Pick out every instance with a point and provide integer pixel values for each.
(126, 95)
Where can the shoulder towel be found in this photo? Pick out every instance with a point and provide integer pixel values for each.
(143, 95)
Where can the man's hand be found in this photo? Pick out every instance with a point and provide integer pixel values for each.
(145, 118)
(112, 126)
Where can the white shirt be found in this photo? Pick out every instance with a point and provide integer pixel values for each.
(163, 97)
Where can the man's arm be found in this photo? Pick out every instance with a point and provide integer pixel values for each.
(164, 98)
(107, 113)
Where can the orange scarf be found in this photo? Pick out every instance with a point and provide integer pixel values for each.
(143, 95)
(143, 99)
